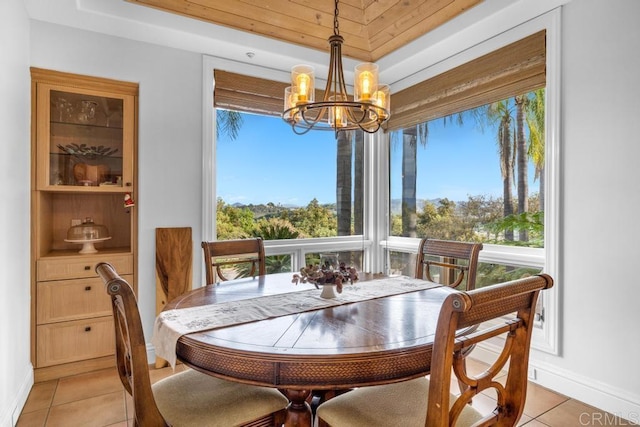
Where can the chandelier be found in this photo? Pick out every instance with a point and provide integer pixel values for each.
(367, 109)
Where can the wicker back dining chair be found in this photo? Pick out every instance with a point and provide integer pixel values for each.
(509, 310)
(221, 254)
(455, 261)
(188, 398)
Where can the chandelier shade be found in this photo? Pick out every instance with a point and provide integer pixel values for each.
(366, 110)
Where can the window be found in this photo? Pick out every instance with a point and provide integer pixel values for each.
(275, 184)
(466, 152)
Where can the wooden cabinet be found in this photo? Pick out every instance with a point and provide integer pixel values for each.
(84, 144)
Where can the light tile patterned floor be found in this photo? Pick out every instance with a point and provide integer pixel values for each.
(97, 399)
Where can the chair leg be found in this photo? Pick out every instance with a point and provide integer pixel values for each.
(461, 385)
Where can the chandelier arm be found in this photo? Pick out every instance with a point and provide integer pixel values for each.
(330, 88)
(340, 71)
(299, 130)
(312, 122)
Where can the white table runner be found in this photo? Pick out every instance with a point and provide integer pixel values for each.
(170, 325)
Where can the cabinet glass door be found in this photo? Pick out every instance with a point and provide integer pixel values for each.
(89, 141)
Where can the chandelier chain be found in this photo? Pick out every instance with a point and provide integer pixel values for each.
(336, 25)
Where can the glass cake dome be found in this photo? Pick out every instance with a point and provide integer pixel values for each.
(87, 234)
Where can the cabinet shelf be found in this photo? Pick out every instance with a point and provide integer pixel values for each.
(71, 126)
(70, 156)
(71, 253)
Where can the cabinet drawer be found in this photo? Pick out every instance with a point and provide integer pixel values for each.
(78, 267)
(72, 341)
(64, 300)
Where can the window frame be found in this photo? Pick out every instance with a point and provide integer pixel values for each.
(376, 242)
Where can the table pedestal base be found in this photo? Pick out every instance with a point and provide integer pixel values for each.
(298, 410)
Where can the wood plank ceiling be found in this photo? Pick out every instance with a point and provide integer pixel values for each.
(371, 28)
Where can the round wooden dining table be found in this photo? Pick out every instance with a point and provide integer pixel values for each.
(359, 344)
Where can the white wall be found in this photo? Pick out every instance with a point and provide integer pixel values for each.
(600, 143)
(169, 131)
(16, 373)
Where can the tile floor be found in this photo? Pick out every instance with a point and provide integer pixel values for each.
(97, 399)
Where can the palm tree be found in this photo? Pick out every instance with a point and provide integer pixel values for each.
(500, 113)
(358, 184)
(343, 182)
(228, 122)
(358, 194)
(522, 161)
(410, 139)
(275, 229)
(409, 175)
(535, 123)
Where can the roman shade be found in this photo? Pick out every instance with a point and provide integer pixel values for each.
(239, 92)
(515, 69)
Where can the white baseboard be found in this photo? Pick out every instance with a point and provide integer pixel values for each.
(13, 409)
(597, 394)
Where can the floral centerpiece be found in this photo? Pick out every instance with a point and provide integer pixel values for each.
(326, 275)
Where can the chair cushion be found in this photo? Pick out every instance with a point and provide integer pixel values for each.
(191, 398)
(403, 403)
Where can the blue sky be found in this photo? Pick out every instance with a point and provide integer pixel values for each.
(269, 163)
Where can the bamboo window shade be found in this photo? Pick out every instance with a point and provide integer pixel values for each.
(515, 69)
(248, 94)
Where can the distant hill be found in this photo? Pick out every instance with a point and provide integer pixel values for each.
(271, 210)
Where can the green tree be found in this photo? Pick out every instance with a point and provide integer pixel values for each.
(396, 225)
(313, 221)
(479, 211)
(444, 221)
(232, 222)
(532, 222)
(276, 229)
